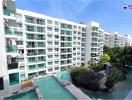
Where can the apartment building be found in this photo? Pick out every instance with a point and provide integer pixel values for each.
(94, 42)
(114, 39)
(35, 45)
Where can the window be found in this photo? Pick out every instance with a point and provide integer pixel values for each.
(40, 29)
(56, 36)
(41, 44)
(41, 52)
(40, 21)
(31, 59)
(19, 42)
(1, 84)
(49, 21)
(31, 67)
(49, 36)
(49, 42)
(41, 65)
(50, 63)
(56, 29)
(30, 20)
(56, 49)
(50, 50)
(56, 23)
(14, 78)
(19, 24)
(31, 36)
(56, 62)
(30, 28)
(40, 37)
(50, 70)
(56, 43)
(56, 68)
(50, 56)
(49, 28)
(19, 33)
(42, 58)
(56, 56)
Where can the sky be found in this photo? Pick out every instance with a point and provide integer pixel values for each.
(109, 13)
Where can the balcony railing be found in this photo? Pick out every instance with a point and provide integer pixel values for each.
(9, 12)
(10, 31)
(11, 48)
(13, 65)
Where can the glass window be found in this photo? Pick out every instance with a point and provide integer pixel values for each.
(1, 84)
(30, 20)
(40, 29)
(30, 28)
(41, 21)
(49, 21)
(14, 78)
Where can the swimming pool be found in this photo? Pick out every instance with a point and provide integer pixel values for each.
(30, 95)
(64, 75)
(51, 89)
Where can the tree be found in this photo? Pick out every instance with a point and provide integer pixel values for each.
(105, 48)
(105, 58)
(91, 63)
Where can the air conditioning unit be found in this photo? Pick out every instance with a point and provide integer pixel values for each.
(4, 3)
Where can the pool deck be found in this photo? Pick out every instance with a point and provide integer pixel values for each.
(74, 90)
(40, 96)
(129, 96)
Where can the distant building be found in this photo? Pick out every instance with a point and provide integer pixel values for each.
(114, 39)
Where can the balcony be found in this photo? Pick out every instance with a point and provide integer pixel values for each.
(13, 65)
(31, 54)
(31, 46)
(11, 48)
(10, 32)
(9, 12)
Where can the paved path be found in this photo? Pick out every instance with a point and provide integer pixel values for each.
(129, 96)
(75, 91)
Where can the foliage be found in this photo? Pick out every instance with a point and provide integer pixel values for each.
(105, 48)
(91, 64)
(77, 70)
(105, 57)
(120, 57)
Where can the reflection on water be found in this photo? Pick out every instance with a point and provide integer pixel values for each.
(120, 92)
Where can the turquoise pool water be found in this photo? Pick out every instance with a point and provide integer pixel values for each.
(64, 75)
(51, 89)
(30, 95)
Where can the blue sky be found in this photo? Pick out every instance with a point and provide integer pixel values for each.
(109, 13)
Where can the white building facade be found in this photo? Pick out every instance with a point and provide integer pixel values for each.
(35, 45)
(114, 39)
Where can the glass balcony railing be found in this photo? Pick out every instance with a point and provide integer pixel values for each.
(13, 65)
(10, 31)
(30, 38)
(41, 45)
(11, 48)
(9, 12)
(41, 38)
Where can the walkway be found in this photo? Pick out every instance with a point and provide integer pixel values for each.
(129, 96)
(74, 90)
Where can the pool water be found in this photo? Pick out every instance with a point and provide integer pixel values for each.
(64, 75)
(30, 95)
(51, 89)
